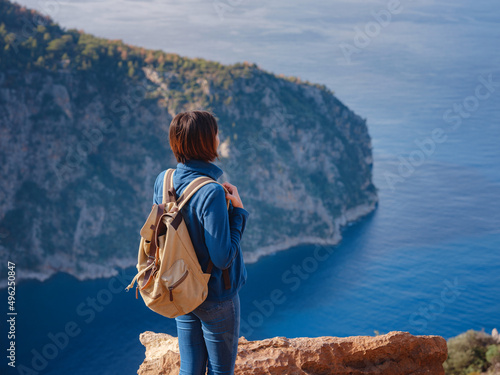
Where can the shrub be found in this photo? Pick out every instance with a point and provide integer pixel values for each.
(471, 352)
(493, 354)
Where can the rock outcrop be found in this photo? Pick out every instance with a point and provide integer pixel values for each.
(390, 354)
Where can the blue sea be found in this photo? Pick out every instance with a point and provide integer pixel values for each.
(427, 260)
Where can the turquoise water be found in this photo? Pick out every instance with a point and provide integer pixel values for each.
(426, 261)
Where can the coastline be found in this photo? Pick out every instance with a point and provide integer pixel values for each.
(347, 218)
(112, 269)
(94, 271)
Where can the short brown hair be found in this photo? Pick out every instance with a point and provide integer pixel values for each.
(192, 136)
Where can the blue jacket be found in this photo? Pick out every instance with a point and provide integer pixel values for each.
(214, 231)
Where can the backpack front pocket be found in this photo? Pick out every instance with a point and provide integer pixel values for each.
(186, 290)
(177, 283)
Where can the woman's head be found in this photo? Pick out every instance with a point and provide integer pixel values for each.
(194, 135)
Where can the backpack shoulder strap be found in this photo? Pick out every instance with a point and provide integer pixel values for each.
(193, 187)
(188, 192)
(225, 274)
(168, 186)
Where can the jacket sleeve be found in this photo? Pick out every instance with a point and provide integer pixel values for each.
(158, 189)
(223, 231)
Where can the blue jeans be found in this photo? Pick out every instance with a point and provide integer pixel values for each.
(209, 336)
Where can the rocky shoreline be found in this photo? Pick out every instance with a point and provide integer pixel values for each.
(348, 218)
(96, 271)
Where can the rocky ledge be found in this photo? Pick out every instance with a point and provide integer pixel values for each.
(393, 353)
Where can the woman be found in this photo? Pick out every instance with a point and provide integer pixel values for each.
(208, 336)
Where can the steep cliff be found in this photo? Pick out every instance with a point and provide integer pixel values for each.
(82, 135)
(396, 353)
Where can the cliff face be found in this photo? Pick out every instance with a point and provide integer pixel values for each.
(82, 125)
(394, 353)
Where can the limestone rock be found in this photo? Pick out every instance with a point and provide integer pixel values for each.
(495, 335)
(390, 354)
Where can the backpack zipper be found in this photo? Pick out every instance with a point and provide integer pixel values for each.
(176, 284)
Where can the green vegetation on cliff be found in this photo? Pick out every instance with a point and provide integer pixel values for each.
(32, 42)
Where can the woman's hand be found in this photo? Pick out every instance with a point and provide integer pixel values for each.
(233, 195)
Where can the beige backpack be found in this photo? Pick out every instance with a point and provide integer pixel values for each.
(170, 278)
